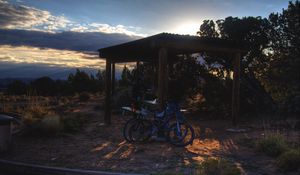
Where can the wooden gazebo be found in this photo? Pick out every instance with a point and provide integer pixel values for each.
(160, 48)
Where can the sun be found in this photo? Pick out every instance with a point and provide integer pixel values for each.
(188, 28)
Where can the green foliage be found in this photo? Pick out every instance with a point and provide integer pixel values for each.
(188, 71)
(272, 145)
(212, 166)
(289, 160)
(282, 77)
(208, 29)
(272, 61)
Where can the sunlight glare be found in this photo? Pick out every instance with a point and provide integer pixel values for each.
(189, 28)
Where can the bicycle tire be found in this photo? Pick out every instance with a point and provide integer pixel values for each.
(127, 127)
(142, 128)
(181, 141)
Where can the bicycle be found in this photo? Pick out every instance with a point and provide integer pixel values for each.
(140, 128)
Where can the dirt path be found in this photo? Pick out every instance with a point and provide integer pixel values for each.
(99, 147)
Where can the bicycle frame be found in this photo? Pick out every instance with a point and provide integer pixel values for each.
(170, 110)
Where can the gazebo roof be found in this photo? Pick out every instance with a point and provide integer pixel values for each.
(146, 49)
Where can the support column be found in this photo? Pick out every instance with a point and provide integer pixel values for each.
(162, 77)
(137, 74)
(107, 117)
(113, 78)
(236, 89)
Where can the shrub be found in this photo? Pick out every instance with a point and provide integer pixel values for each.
(123, 97)
(84, 96)
(73, 123)
(289, 160)
(42, 84)
(272, 145)
(212, 166)
(16, 87)
(50, 125)
(38, 124)
(34, 114)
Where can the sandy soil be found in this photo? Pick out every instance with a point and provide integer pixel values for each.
(99, 147)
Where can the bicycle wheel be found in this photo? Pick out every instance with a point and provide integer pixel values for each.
(181, 134)
(140, 131)
(126, 128)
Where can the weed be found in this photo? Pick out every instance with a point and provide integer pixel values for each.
(289, 160)
(73, 123)
(218, 166)
(272, 145)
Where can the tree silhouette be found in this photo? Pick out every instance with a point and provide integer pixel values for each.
(16, 87)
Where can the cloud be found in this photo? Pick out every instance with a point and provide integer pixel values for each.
(36, 43)
(53, 57)
(105, 28)
(23, 25)
(16, 16)
(33, 62)
(78, 41)
(24, 17)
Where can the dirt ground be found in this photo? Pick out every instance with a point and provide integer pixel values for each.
(99, 147)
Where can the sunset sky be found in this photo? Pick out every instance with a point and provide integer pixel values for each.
(52, 37)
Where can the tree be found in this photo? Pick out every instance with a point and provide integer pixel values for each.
(126, 77)
(44, 86)
(251, 30)
(100, 78)
(283, 76)
(16, 87)
(208, 29)
(80, 81)
(272, 61)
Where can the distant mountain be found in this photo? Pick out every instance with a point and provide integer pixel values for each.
(28, 72)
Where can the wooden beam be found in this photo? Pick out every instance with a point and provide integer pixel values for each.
(162, 77)
(236, 88)
(107, 117)
(113, 78)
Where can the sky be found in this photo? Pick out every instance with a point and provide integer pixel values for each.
(53, 37)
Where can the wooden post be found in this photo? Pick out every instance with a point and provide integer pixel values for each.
(113, 78)
(162, 77)
(138, 65)
(137, 73)
(107, 117)
(236, 88)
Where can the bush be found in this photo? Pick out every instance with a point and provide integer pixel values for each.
(123, 97)
(16, 87)
(73, 123)
(217, 167)
(84, 96)
(50, 125)
(272, 145)
(34, 114)
(289, 160)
